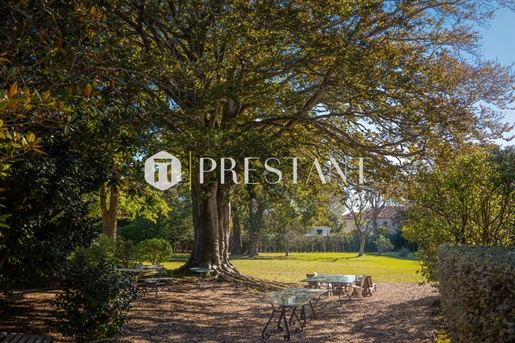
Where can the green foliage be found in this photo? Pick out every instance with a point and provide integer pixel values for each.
(49, 215)
(96, 299)
(465, 202)
(175, 225)
(125, 252)
(228, 78)
(141, 229)
(403, 252)
(101, 247)
(399, 241)
(383, 245)
(122, 252)
(155, 250)
(346, 242)
(477, 285)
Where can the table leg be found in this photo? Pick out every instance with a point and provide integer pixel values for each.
(283, 315)
(312, 310)
(267, 335)
(303, 314)
(300, 320)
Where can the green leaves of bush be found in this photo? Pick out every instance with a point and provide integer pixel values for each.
(383, 244)
(477, 284)
(155, 250)
(96, 300)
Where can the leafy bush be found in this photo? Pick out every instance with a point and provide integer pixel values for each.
(122, 253)
(96, 300)
(155, 250)
(102, 245)
(477, 284)
(383, 244)
(404, 252)
(125, 252)
(49, 217)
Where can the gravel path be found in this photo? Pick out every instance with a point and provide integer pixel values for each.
(221, 312)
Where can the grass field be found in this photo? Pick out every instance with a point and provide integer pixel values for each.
(277, 267)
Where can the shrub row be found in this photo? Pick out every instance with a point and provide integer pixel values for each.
(126, 254)
(477, 284)
(300, 243)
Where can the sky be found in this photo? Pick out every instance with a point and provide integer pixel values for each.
(499, 44)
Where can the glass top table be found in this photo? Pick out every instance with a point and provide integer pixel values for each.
(333, 278)
(293, 296)
(290, 298)
(340, 282)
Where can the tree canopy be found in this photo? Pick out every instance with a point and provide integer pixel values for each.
(467, 202)
(362, 78)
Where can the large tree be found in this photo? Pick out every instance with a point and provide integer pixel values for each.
(466, 202)
(365, 78)
(368, 78)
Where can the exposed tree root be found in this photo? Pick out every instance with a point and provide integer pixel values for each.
(233, 276)
(252, 282)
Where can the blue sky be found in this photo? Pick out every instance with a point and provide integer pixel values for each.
(499, 44)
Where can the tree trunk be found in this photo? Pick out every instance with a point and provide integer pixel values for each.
(237, 248)
(109, 215)
(253, 242)
(362, 239)
(286, 246)
(256, 210)
(211, 222)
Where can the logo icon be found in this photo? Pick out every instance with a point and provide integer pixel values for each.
(166, 167)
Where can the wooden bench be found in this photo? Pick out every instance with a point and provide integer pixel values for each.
(24, 338)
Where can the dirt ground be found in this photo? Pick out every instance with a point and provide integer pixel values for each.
(222, 312)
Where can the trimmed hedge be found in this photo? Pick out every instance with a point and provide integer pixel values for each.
(477, 284)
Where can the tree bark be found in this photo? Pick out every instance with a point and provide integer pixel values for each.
(211, 222)
(109, 214)
(286, 245)
(253, 242)
(256, 210)
(237, 248)
(362, 239)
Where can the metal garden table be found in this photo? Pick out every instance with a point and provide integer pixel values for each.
(290, 299)
(341, 281)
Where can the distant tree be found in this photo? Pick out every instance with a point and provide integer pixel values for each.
(364, 204)
(383, 244)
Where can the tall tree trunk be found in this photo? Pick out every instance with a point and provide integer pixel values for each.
(253, 242)
(256, 210)
(211, 222)
(237, 248)
(109, 214)
(287, 244)
(362, 239)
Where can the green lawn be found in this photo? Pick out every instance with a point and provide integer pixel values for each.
(277, 267)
